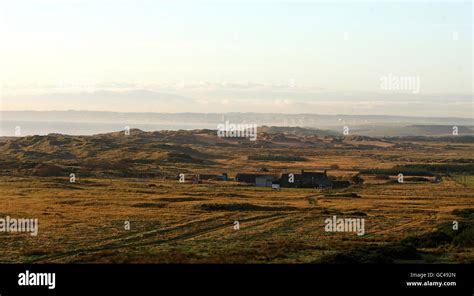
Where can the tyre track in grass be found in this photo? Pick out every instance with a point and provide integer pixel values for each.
(154, 230)
(117, 243)
(399, 227)
(368, 235)
(128, 237)
(260, 222)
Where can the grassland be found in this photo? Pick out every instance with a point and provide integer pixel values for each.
(171, 222)
(466, 180)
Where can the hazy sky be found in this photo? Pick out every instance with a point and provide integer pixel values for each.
(228, 54)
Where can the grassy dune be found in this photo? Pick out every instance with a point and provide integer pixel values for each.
(194, 223)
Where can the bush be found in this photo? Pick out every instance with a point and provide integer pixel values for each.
(397, 170)
(465, 213)
(438, 168)
(373, 255)
(428, 240)
(357, 180)
(465, 238)
(417, 179)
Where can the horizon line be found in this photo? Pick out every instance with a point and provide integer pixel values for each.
(222, 113)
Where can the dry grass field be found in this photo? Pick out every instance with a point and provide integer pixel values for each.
(172, 222)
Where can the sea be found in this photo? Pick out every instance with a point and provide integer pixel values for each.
(30, 128)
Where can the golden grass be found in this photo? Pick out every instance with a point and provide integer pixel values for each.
(172, 222)
(87, 223)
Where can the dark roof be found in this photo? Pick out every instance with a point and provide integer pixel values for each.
(250, 178)
(305, 179)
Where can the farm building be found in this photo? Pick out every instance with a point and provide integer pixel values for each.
(246, 178)
(258, 180)
(306, 180)
(264, 181)
(302, 180)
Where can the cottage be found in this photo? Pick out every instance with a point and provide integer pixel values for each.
(246, 178)
(256, 179)
(264, 181)
(306, 180)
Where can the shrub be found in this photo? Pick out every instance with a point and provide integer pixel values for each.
(428, 240)
(465, 213)
(373, 255)
(382, 177)
(465, 238)
(357, 180)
